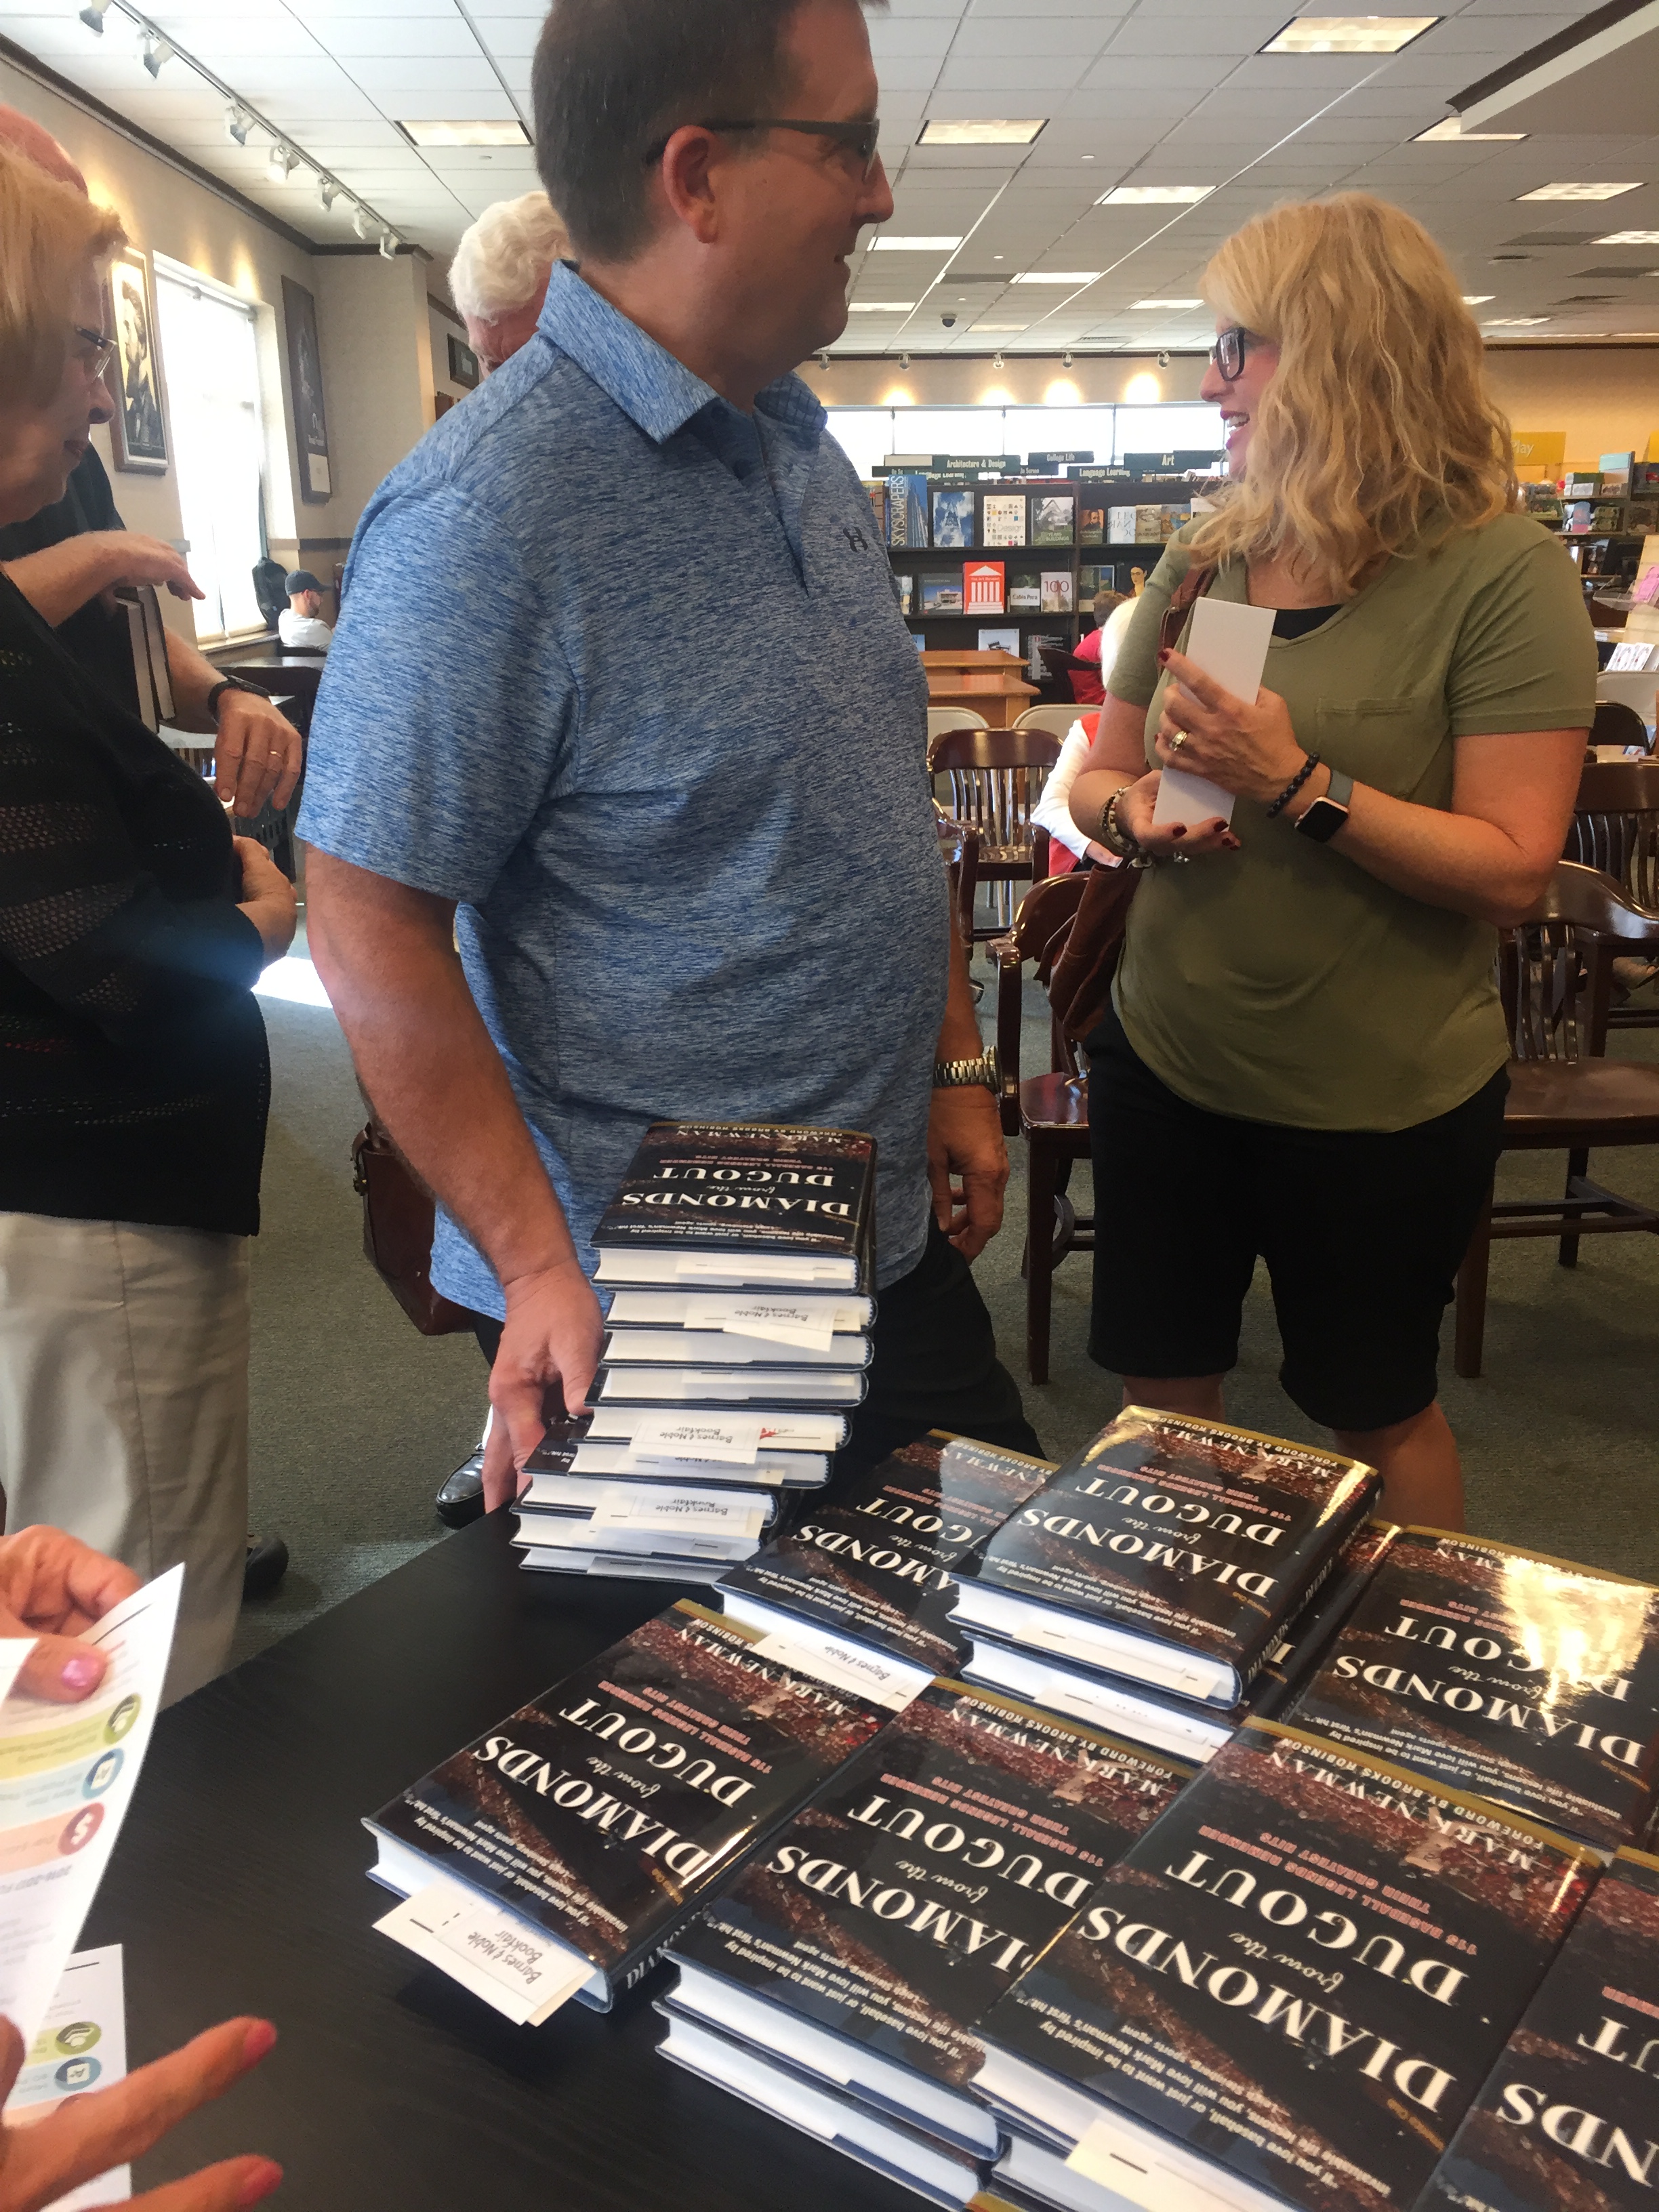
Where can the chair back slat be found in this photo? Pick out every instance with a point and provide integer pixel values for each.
(996, 777)
(1615, 825)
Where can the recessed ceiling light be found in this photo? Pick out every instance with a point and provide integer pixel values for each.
(1513, 322)
(1629, 238)
(1579, 191)
(1169, 305)
(880, 307)
(1002, 327)
(1154, 195)
(883, 244)
(1057, 276)
(1478, 298)
(985, 131)
(487, 133)
(1348, 34)
(1451, 132)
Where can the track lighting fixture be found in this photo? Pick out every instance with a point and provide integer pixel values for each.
(93, 16)
(904, 362)
(157, 49)
(238, 124)
(388, 246)
(327, 191)
(359, 222)
(282, 162)
(823, 358)
(1066, 361)
(996, 359)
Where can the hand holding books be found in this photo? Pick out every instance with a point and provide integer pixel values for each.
(551, 1340)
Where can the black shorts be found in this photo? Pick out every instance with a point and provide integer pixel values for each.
(1362, 1230)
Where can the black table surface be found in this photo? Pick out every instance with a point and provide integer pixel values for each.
(239, 1884)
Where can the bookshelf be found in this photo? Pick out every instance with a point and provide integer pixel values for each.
(1088, 490)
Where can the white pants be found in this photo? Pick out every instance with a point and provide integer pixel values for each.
(124, 1357)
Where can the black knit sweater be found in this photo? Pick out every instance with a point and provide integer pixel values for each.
(134, 1078)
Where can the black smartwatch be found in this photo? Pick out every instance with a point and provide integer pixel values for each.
(231, 683)
(1327, 815)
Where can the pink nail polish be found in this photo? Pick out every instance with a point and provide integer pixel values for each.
(84, 1672)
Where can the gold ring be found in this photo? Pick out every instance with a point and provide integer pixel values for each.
(1177, 741)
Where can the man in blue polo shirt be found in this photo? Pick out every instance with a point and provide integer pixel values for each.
(702, 881)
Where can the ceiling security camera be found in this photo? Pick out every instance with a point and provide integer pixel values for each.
(1163, 360)
(949, 321)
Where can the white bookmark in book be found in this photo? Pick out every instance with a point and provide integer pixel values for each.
(1230, 643)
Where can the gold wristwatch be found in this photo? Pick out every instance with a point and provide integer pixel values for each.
(965, 1074)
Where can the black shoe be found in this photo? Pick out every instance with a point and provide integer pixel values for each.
(462, 1498)
(266, 1565)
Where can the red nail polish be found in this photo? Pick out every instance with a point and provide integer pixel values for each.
(1180, 830)
(1163, 656)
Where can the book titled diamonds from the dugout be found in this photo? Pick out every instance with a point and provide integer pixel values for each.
(720, 1190)
(876, 1564)
(603, 1810)
(1530, 1680)
(1566, 2120)
(1169, 1549)
(1289, 1988)
(894, 1911)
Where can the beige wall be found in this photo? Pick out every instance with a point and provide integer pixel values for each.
(372, 330)
(1605, 398)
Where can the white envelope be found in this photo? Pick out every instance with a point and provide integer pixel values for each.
(1230, 643)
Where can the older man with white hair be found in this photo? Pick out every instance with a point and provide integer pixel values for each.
(499, 276)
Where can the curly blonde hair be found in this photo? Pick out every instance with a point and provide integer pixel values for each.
(1376, 436)
(50, 234)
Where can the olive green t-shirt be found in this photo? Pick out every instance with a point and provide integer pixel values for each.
(1283, 982)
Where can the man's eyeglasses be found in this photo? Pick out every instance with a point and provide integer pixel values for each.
(859, 139)
(95, 351)
(1228, 352)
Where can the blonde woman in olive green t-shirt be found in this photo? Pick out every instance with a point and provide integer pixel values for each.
(1305, 1057)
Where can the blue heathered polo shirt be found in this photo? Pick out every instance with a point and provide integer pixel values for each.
(621, 670)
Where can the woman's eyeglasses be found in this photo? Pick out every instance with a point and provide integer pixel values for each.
(859, 139)
(1227, 354)
(95, 351)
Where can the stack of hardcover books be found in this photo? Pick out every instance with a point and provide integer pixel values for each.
(1287, 1991)
(875, 1566)
(1531, 1682)
(840, 1985)
(1171, 1580)
(740, 1259)
(551, 1857)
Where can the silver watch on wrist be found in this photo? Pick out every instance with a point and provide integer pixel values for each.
(965, 1074)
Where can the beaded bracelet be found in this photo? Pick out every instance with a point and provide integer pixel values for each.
(1122, 841)
(1294, 785)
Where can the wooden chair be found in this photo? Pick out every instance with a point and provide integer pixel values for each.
(1615, 828)
(959, 842)
(1050, 1111)
(1057, 721)
(994, 778)
(1617, 724)
(1564, 1096)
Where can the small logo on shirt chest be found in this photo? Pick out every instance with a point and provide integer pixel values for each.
(857, 540)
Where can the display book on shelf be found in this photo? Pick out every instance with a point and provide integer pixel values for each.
(1036, 530)
(738, 1258)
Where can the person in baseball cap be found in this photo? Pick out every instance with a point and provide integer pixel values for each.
(300, 625)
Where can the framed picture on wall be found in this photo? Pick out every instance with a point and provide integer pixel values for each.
(138, 435)
(304, 374)
(462, 364)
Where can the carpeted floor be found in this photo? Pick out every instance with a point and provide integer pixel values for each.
(356, 1419)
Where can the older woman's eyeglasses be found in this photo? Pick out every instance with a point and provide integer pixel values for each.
(858, 139)
(1228, 352)
(95, 351)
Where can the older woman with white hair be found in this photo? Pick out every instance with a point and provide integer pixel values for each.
(499, 276)
(1305, 1058)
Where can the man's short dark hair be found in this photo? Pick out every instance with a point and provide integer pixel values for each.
(613, 77)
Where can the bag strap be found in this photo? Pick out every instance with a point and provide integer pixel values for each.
(1193, 586)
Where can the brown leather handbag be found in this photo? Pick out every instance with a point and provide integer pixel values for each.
(398, 1220)
(1081, 965)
